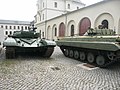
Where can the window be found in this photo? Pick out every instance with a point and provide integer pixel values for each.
(40, 16)
(55, 4)
(43, 34)
(1, 26)
(105, 24)
(72, 30)
(43, 16)
(55, 31)
(43, 5)
(10, 27)
(25, 27)
(14, 27)
(6, 27)
(10, 32)
(28, 28)
(18, 27)
(68, 6)
(6, 32)
(21, 27)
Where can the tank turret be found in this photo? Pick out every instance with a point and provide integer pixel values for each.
(100, 47)
(27, 43)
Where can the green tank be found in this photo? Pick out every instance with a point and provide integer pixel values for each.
(100, 47)
(27, 43)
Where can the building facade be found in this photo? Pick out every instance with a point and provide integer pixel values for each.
(77, 22)
(49, 9)
(7, 27)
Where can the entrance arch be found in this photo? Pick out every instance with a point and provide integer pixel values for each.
(62, 30)
(106, 19)
(84, 25)
(49, 34)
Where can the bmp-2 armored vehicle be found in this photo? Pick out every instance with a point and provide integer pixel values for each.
(98, 47)
(27, 43)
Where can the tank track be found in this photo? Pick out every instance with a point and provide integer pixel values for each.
(10, 52)
(48, 52)
(100, 57)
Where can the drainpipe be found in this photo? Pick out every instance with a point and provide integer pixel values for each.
(46, 21)
(65, 18)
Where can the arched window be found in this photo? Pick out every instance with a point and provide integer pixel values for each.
(10, 32)
(72, 30)
(55, 31)
(14, 27)
(40, 17)
(68, 6)
(55, 4)
(6, 32)
(25, 27)
(6, 27)
(21, 27)
(43, 4)
(10, 27)
(18, 27)
(43, 34)
(1, 26)
(105, 24)
(43, 16)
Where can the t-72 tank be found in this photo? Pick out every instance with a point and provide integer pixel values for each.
(27, 43)
(100, 47)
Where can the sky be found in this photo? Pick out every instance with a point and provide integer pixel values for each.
(24, 10)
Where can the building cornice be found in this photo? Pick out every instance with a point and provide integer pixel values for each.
(14, 22)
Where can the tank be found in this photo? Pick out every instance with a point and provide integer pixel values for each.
(23, 43)
(99, 47)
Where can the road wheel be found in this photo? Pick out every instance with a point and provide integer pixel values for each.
(76, 54)
(100, 60)
(111, 55)
(82, 56)
(90, 57)
(66, 52)
(71, 53)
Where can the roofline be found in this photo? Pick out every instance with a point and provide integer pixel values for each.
(14, 22)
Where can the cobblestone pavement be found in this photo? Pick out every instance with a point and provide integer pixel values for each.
(56, 73)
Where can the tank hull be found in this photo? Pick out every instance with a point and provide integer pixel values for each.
(28, 43)
(14, 52)
(100, 51)
(28, 47)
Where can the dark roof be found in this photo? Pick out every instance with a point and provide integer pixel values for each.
(15, 22)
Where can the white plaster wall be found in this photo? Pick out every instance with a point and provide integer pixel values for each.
(50, 11)
(92, 12)
(1, 35)
(52, 14)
